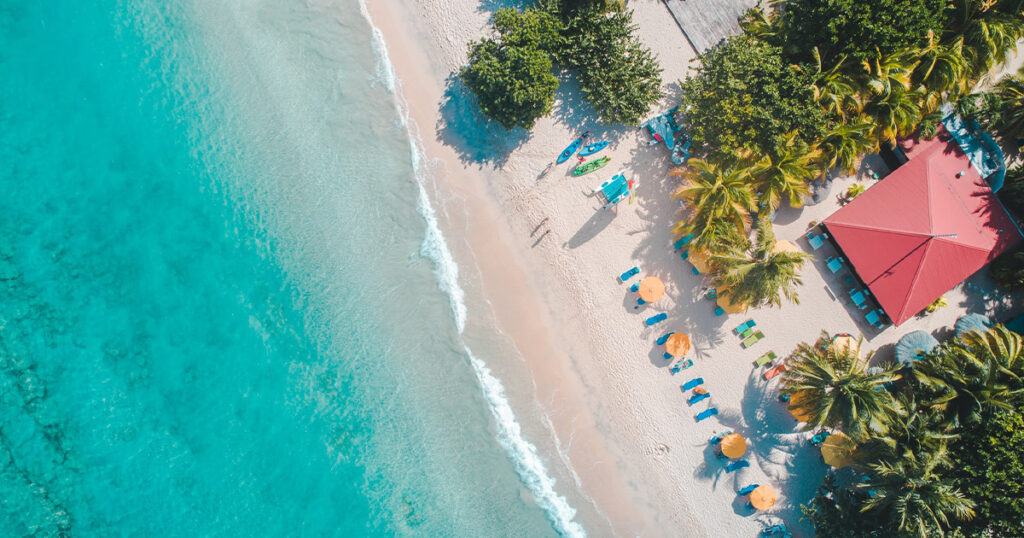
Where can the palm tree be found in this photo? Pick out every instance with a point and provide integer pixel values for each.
(783, 174)
(843, 145)
(1007, 118)
(710, 233)
(912, 429)
(941, 70)
(837, 390)
(895, 113)
(759, 275)
(974, 373)
(885, 74)
(912, 492)
(717, 191)
(833, 89)
(987, 32)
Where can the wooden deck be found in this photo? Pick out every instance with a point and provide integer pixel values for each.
(706, 22)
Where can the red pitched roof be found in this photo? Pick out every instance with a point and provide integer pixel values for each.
(922, 230)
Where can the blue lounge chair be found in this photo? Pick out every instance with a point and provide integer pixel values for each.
(695, 271)
(682, 242)
(707, 413)
(738, 464)
(668, 356)
(663, 338)
(818, 439)
(635, 287)
(693, 383)
(629, 274)
(742, 327)
(718, 438)
(656, 319)
(698, 397)
(640, 302)
(681, 365)
(712, 294)
(748, 489)
(719, 311)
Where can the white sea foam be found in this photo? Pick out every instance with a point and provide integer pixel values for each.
(523, 454)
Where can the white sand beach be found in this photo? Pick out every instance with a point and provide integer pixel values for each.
(620, 418)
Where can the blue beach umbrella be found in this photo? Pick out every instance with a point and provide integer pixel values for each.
(914, 345)
(972, 322)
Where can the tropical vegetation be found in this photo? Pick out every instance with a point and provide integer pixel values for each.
(512, 74)
(759, 274)
(939, 440)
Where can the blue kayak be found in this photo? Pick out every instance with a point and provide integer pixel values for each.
(571, 149)
(593, 148)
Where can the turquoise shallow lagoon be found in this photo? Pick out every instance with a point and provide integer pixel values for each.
(220, 311)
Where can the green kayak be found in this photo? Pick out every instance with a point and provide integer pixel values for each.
(590, 166)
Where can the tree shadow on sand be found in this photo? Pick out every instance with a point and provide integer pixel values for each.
(475, 138)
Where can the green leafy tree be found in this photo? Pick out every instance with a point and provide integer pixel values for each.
(837, 391)
(985, 30)
(620, 77)
(895, 113)
(912, 429)
(833, 88)
(1008, 269)
(744, 95)
(511, 75)
(760, 275)
(913, 492)
(783, 173)
(974, 374)
(941, 71)
(990, 471)
(835, 512)
(859, 28)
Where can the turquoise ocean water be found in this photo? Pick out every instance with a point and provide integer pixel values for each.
(226, 308)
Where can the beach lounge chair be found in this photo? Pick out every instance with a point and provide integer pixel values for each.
(752, 339)
(719, 311)
(834, 264)
(629, 274)
(765, 359)
(770, 374)
(656, 319)
(738, 464)
(682, 241)
(686, 254)
(640, 302)
(712, 294)
(668, 356)
(681, 365)
(698, 397)
(746, 334)
(718, 438)
(663, 338)
(693, 383)
(819, 438)
(747, 489)
(635, 287)
(695, 271)
(707, 413)
(744, 326)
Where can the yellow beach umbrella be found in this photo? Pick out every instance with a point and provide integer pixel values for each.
(733, 445)
(677, 345)
(796, 407)
(651, 289)
(845, 341)
(727, 304)
(699, 259)
(763, 497)
(785, 246)
(837, 450)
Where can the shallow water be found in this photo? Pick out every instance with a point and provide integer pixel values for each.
(220, 310)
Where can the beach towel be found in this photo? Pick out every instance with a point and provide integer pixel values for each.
(707, 413)
(656, 319)
(693, 383)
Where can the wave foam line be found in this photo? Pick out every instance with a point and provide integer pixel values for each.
(523, 454)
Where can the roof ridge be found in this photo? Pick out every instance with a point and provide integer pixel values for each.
(877, 229)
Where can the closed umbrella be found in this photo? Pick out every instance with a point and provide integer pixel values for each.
(972, 322)
(914, 345)
(837, 450)
(651, 289)
(733, 445)
(677, 345)
(763, 497)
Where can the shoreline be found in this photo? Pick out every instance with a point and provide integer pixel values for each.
(511, 298)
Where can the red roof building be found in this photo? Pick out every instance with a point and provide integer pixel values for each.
(925, 228)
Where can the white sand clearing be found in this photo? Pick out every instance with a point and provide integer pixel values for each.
(619, 418)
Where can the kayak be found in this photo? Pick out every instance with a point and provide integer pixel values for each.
(571, 148)
(593, 148)
(590, 166)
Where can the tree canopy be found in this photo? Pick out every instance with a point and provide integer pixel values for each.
(859, 28)
(511, 75)
(989, 469)
(744, 95)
